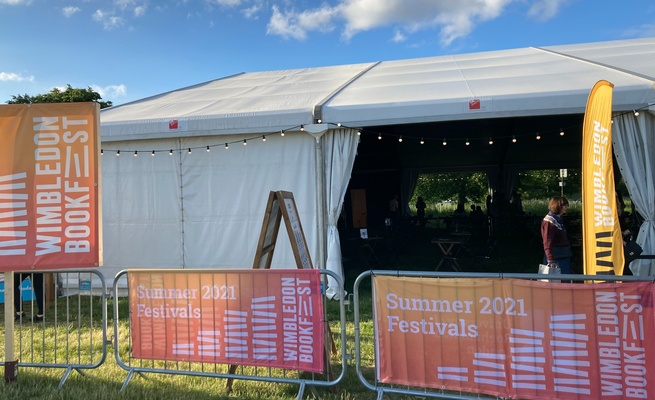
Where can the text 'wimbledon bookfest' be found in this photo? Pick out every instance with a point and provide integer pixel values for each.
(268, 318)
(516, 338)
(49, 186)
(603, 241)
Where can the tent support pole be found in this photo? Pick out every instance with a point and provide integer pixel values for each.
(318, 131)
(320, 202)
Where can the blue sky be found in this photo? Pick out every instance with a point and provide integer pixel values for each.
(130, 49)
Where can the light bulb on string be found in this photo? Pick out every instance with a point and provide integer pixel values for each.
(264, 138)
(538, 137)
(467, 141)
(208, 149)
(359, 132)
(319, 121)
(491, 141)
(422, 141)
(400, 139)
(244, 142)
(281, 133)
(561, 132)
(302, 128)
(444, 142)
(227, 146)
(189, 151)
(102, 152)
(379, 136)
(136, 153)
(153, 153)
(118, 153)
(170, 152)
(339, 124)
(513, 138)
(636, 113)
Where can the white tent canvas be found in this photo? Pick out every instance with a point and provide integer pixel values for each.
(199, 209)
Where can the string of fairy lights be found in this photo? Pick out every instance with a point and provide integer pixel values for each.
(208, 148)
(444, 141)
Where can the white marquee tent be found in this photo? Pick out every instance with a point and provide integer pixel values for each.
(296, 130)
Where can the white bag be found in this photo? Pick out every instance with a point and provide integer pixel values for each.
(550, 270)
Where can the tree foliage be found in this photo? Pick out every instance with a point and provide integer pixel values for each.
(543, 184)
(69, 95)
(456, 186)
(452, 186)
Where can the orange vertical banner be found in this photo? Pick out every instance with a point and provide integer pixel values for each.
(602, 239)
(516, 338)
(50, 214)
(267, 318)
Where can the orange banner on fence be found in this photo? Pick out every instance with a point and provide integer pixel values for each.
(516, 338)
(268, 318)
(49, 186)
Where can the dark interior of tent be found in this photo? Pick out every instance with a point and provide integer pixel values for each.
(385, 153)
(381, 157)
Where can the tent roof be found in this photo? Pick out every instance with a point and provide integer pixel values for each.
(521, 82)
(530, 81)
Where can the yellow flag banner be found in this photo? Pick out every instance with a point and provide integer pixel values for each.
(602, 240)
(49, 186)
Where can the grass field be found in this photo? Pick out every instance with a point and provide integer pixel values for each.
(516, 250)
(106, 381)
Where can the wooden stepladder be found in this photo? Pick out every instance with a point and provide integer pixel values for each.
(281, 205)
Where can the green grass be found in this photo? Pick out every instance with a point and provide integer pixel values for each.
(517, 250)
(72, 334)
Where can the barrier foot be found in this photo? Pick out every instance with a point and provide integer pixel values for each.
(127, 380)
(67, 374)
(301, 391)
(380, 394)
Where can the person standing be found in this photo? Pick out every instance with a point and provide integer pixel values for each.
(557, 248)
(420, 211)
(517, 204)
(394, 210)
(36, 279)
(488, 203)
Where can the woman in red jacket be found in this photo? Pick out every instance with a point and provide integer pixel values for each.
(557, 248)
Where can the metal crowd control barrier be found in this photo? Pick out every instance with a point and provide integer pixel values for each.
(369, 342)
(125, 343)
(72, 334)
